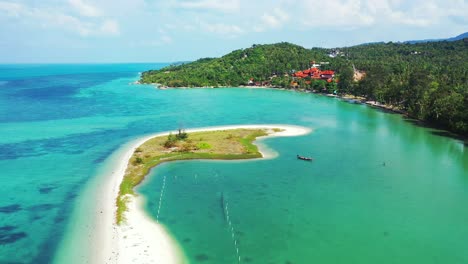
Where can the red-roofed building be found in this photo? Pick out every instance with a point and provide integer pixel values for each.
(297, 74)
(327, 74)
(315, 73)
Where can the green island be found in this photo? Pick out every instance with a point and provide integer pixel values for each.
(425, 81)
(232, 144)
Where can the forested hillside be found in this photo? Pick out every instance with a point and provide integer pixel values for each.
(429, 81)
(236, 68)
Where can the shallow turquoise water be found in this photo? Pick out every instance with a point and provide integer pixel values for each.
(60, 123)
(345, 207)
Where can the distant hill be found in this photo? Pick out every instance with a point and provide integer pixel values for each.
(459, 37)
(371, 43)
(258, 62)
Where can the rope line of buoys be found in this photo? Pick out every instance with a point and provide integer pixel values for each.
(231, 227)
(161, 197)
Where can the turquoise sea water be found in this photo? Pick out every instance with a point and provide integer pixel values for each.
(60, 123)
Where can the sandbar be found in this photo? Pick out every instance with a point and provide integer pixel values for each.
(140, 239)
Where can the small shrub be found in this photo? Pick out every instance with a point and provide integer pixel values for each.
(203, 145)
(137, 161)
(171, 141)
(138, 150)
(182, 135)
(187, 147)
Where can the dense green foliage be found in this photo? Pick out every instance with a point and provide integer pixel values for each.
(236, 68)
(429, 81)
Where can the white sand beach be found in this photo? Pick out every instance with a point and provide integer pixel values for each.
(141, 239)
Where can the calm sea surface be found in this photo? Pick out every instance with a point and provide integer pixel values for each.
(380, 190)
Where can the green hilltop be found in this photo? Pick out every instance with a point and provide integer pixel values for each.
(236, 68)
(427, 81)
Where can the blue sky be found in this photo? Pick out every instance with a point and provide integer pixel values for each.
(54, 31)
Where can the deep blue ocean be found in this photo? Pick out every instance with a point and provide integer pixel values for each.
(59, 124)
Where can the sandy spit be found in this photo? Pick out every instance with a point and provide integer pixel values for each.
(141, 239)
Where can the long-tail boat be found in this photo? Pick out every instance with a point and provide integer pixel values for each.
(304, 158)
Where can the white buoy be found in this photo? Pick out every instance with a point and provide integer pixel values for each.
(161, 197)
(231, 227)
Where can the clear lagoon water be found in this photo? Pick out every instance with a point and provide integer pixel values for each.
(381, 190)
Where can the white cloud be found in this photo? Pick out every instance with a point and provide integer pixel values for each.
(11, 9)
(222, 29)
(197, 25)
(432, 12)
(85, 9)
(110, 27)
(270, 20)
(219, 18)
(218, 5)
(50, 18)
(161, 41)
(66, 22)
(166, 39)
(361, 13)
(337, 13)
(274, 19)
(180, 26)
(391, 11)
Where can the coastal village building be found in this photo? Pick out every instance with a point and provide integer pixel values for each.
(315, 73)
(335, 53)
(327, 74)
(252, 82)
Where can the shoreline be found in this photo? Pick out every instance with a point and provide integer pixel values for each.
(140, 239)
(349, 98)
(346, 97)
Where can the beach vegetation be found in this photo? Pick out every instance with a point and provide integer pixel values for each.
(121, 207)
(181, 135)
(138, 150)
(203, 145)
(188, 147)
(171, 141)
(138, 160)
